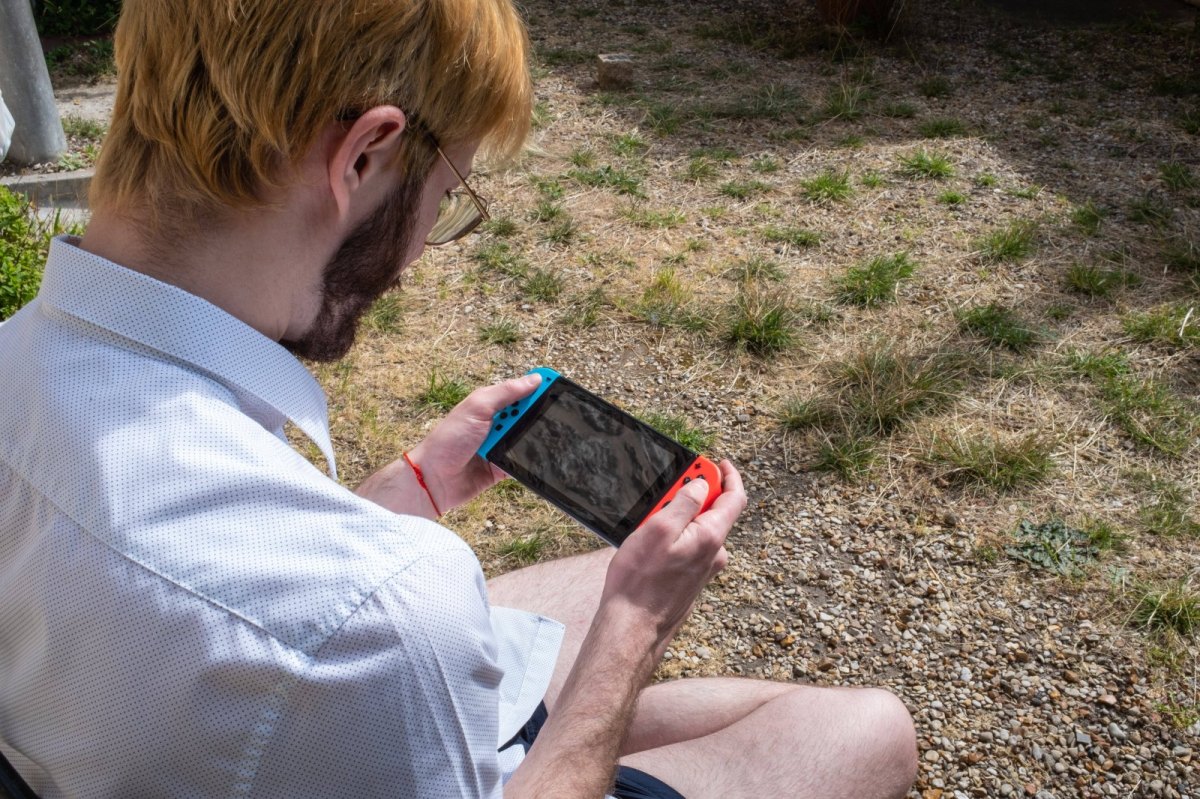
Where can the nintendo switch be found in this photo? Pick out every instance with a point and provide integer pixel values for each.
(595, 462)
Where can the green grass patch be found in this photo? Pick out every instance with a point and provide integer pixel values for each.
(1174, 326)
(872, 179)
(943, 128)
(542, 285)
(664, 302)
(850, 455)
(1151, 209)
(846, 100)
(1001, 463)
(1177, 177)
(762, 323)
(1087, 217)
(757, 268)
(607, 177)
(678, 428)
(499, 256)
(874, 282)
(1096, 282)
(524, 549)
(649, 218)
(1008, 244)
(443, 393)
(1101, 366)
(829, 186)
(700, 168)
(999, 327)
(766, 165)
(502, 332)
(743, 189)
(501, 227)
(797, 237)
(922, 164)
(1170, 512)
(386, 314)
(629, 145)
(1151, 414)
(1172, 607)
(1183, 255)
(952, 198)
(80, 128)
(935, 86)
(87, 60)
(898, 110)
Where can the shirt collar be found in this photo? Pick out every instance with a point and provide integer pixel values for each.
(185, 327)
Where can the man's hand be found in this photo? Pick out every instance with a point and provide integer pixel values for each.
(661, 568)
(448, 457)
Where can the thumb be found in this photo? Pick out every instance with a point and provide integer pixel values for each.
(486, 401)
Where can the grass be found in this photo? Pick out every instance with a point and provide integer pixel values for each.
(872, 179)
(849, 455)
(742, 189)
(1096, 282)
(700, 168)
(524, 549)
(1172, 607)
(1087, 217)
(1151, 414)
(1001, 463)
(1177, 177)
(629, 145)
(386, 314)
(1099, 366)
(678, 428)
(999, 327)
(757, 268)
(797, 237)
(760, 322)
(87, 60)
(501, 227)
(846, 100)
(922, 164)
(443, 393)
(935, 86)
(766, 165)
(829, 186)
(1169, 513)
(607, 177)
(650, 219)
(80, 128)
(1174, 326)
(1008, 244)
(874, 282)
(502, 332)
(898, 110)
(952, 198)
(499, 256)
(664, 302)
(24, 244)
(1183, 255)
(1151, 209)
(942, 128)
(542, 285)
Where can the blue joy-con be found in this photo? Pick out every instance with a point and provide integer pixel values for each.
(506, 417)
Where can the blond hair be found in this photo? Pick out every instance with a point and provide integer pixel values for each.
(217, 98)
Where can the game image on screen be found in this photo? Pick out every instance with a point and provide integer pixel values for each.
(599, 465)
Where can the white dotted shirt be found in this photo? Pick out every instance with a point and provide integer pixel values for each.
(189, 608)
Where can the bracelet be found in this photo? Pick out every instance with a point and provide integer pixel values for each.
(421, 482)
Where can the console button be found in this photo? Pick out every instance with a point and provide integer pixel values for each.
(499, 427)
(687, 480)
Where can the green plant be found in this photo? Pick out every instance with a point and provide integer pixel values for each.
(1087, 217)
(648, 218)
(765, 164)
(1002, 463)
(561, 232)
(1096, 282)
(24, 245)
(443, 393)
(87, 60)
(1099, 366)
(1189, 121)
(829, 186)
(620, 180)
(874, 282)
(386, 314)
(524, 549)
(926, 165)
(1027, 192)
(1177, 177)
(898, 110)
(547, 211)
(499, 226)
(1175, 326)
(1169, 513)
(763, 323)
(952, 198)
(742, 189)
(502, 332)
(1183, 255)
(1163, 607)
(76, 17)
(498, 256)
(935, 86)
(584, 311)
(999, 326)
(1151, 209)
(542, 284)
(664, 302)
(872, 179)
(791, 236)
(757, 268)
(942, 128)
(1054, 546)
(81, 128)
(679, 429)
(1008, 244)
(846, 100)
(849, 455)
(986, 180)
(629, 145)
(1151, 414)
(1102, 535)
(700, 167)
(582, 158)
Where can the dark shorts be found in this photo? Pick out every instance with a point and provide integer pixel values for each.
(631, 783)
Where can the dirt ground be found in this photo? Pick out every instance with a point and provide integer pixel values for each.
(758, 159)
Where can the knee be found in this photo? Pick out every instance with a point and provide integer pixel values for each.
(888, 739)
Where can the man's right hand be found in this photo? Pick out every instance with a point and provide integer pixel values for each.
(661, 568)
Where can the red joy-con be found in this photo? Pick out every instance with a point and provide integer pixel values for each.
(701, 468)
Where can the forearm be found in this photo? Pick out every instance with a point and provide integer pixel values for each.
(576, 752)
(396, 488)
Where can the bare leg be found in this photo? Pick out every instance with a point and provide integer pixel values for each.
(789, 740)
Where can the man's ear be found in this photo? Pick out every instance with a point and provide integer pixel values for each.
(363, 154)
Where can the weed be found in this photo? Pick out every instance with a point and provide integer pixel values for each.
(1054, 546)
(1177, 177)
(443, 393)
(1027, 192)
(679, 429)
(1174, 326)
(89, 60)
(1008, 244)
(700, 168)
(620, 180)
(542, 285)
(898, 110)
(1003, 464)
(502, 332)
(583, 159)
(773, 101)
(498, 256)
(547, 211)
(846, 101)
(663, 118)
(987, 181)
(765, 164)
(1099, 366)
(80, 128)
(763, 323)
(500, 226)
(850, 455)
(791, 236)
(24, 244)
(540, 115)
(1151, 209)
(872, 179)
(829, 186)
(1151, 414)
(757, 268)
(1169, 513)
(1163, 607)
(743, 189)
(664, 298)
(561, 232)
(1087, 217)
(1184, 255)
(874, 282)
(1189, 121)
(1102, 535)
(952, 198)
(935, 86)
(524, 549)
(942, 128)
(999, 326)
(629, 145)
(1096, 282)
(386, 314)
(648, 218)
(584, 312)
(926, 165)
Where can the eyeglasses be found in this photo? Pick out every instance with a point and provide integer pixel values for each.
(461, 209)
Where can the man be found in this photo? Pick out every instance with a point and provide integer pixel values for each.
(188, 607)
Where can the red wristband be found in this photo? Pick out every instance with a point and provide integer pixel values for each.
(421, 482)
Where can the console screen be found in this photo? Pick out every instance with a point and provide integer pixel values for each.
(593, 460)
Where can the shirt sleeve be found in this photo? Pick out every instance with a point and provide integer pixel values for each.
(402, 701)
